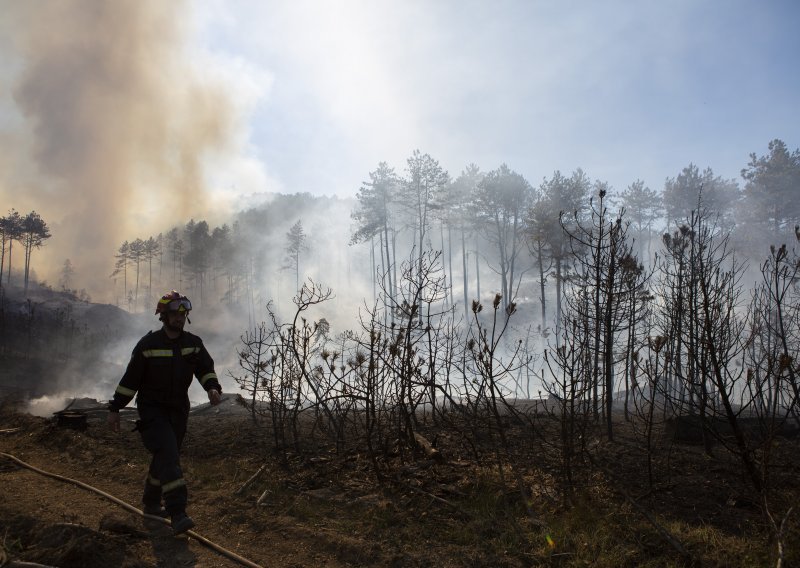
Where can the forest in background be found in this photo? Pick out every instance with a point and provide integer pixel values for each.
(498, 233)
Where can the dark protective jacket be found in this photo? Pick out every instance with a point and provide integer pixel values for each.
(161, 370)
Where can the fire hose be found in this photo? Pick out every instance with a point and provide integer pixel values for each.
(202, 540)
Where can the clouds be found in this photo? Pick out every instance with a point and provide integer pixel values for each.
(622, 89)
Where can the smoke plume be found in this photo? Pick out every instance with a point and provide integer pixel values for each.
(107, 120)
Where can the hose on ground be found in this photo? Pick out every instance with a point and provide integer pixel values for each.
(202, 540)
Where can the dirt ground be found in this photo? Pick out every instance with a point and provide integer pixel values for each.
(54, 523)
(327, 510)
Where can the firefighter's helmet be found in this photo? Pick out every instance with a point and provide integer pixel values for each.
(173, 302)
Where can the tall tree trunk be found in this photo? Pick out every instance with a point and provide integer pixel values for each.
(28, 249)
(610, 307)
(2, 260)
(387, 267)
(450, 262)
(136, 294)
(540, 260)
(512, 260)
(464, 258)
(8, 278)
(448, 272)
(558, 294)
(477, 269)
(150, 275)
(373, 268)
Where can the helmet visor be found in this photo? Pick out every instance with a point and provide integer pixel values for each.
(182, 305)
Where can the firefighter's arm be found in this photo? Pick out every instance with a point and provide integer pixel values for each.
(126, 389)
(208, 377)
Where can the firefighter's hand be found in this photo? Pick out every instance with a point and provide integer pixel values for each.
(214, 397)
(113, 421)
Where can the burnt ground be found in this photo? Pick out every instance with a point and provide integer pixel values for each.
(59, 524)
(327, 509)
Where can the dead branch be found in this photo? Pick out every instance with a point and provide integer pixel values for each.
(251, 480)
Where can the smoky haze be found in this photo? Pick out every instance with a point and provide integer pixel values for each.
(112, 125)
(107, 124)
(109, 129)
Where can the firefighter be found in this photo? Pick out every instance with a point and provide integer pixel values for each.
(160, 371)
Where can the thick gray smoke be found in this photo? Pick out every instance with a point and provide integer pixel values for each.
(106, 125)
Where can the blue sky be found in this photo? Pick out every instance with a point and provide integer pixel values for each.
(624, 90)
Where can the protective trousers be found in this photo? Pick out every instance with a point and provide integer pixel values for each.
(163, 428)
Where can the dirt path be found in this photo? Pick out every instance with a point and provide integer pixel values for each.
(55, 523)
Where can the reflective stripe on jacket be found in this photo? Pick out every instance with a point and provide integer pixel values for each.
(161, 370)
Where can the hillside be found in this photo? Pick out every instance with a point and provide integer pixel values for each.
(53, 342)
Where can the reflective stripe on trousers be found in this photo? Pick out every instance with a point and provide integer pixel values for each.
(162, 429)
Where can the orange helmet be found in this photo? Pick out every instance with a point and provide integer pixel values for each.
(173, 302)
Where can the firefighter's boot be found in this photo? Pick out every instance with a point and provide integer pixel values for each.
(151, 498)
(181, 523)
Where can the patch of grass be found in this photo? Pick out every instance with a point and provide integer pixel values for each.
(592, 533)
(714, 547)
(201, 471)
